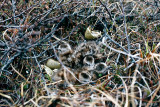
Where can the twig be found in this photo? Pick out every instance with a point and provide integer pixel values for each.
(18, 73)
(119, 51)
(2, 4)
(125, 26)
(13, 9)
(106, 9)
(9, 62)
(155, 93)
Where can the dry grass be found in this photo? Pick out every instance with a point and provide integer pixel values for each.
(120, 68)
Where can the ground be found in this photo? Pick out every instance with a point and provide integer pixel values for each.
(47, 58)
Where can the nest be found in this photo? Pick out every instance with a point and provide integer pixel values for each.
(85, 61)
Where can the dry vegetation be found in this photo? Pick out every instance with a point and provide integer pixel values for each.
(120, 68)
